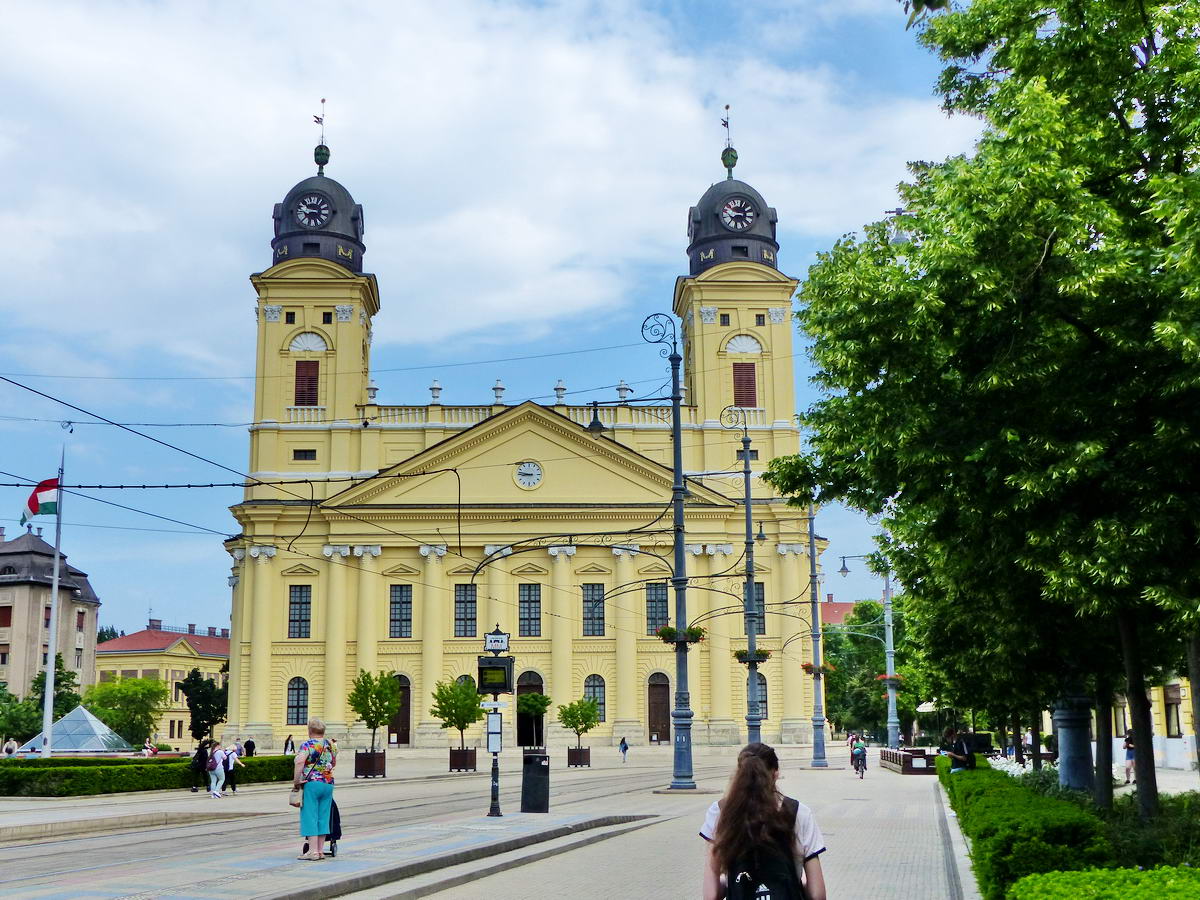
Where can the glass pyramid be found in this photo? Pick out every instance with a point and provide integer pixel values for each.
(79, 732)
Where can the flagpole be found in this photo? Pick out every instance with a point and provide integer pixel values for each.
(52, 642)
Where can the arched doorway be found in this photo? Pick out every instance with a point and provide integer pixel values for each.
(529, 728)
(399, 727)
(658, 707)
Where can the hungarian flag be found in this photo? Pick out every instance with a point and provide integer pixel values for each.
(43, 501)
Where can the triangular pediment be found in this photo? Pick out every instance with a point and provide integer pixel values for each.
(530, 569)
(463, 570)
(182, 646)
(654, 569)
(401, 570)
(593, 569)
(300, 569)
(574, 467)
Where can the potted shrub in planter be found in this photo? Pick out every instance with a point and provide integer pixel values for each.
(580, 717)
(745, 656)
(693, 634)
(374, 699)
(456, 705)
(535, 706)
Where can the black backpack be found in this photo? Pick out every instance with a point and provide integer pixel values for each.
(768, 874)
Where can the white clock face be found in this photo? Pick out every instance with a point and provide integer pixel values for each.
(738, 214)
(528, 474)
(313, 210)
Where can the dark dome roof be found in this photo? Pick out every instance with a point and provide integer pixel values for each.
(339, 239)
(712, 243)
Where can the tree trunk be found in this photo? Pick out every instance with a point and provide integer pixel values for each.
(1018, 741)
(1193, 655)
(1139, 713)
(1102, 790)
(1035, 729)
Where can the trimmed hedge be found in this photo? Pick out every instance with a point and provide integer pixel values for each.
(1015, 832)
(1166, 883)
(66, 781)
(77, 761)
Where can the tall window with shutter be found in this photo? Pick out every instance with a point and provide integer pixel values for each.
(306, 381)
(745, 392)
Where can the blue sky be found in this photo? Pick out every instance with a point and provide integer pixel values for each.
(525, 169)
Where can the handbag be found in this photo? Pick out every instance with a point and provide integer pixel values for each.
(296, 797)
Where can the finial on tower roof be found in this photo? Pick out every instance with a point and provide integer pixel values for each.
(728, 155)
(321, 152)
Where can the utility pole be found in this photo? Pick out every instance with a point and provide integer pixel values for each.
(818, 718)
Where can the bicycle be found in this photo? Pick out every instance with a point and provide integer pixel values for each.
(858, 759)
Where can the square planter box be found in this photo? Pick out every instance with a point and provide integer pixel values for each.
(462, 760)
(579, 757)
(370, 765)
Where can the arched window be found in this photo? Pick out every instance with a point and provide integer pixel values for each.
(308, 342)
(743, 343)
(297, 702)
(8, 570)
(466, 679)
(762, 694)
(593, 689)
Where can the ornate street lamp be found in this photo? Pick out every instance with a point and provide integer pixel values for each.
(889, 650)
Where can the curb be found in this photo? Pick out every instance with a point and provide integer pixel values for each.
(387, 874)
(12, 834)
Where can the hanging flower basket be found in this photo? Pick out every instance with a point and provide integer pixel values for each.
(884, 677)
(826, 668)
(671, 635)
(744, 656)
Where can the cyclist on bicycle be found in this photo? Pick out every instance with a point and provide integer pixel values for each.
(858, 755)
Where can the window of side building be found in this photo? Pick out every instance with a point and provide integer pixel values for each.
(464, 610)
(760, 610)
(593, 610)
(1173, 698)
(299, 610)
(400, 611)
(656, 607)
(529, 610)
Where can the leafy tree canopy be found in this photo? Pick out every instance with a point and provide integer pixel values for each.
(206, 701)
(66, 693)
(579, 717)
(129, 706)
(456, 705)
(375, 699)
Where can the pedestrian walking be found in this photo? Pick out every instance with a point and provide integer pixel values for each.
(313, 773)
(250, 745)
(216, 770)
(10, 747)
(624, 748)
(761, 843)
(289, 746)
(200, 765)
(1129, 758)
(232, 761)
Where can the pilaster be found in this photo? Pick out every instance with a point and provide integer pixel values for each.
(626, 723)
(722, 728)
(335, 637)
(370, 591)
(237, 634)
(497, 611)
(793, 726)
(261, 639)
(434, 601)
(561, 635)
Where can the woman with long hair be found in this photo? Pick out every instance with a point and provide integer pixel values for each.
(754, 822)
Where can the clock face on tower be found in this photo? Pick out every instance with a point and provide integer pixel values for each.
(313, 210)
(738, 214)
(528, 474)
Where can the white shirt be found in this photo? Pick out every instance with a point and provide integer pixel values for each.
(808, 835)
(219, 756)
(230, 755)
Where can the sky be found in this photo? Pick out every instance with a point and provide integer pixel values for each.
(525, 170)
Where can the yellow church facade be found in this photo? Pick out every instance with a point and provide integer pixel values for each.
(392, 537)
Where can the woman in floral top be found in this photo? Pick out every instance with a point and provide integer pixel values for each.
(315, 761)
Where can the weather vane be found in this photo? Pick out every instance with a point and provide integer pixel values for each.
(728, 155)
(321, 153)
(320, 120)
(725, 125)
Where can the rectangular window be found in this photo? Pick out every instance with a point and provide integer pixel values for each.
(79, 659)
(760, 319)
(108, 676)
(741, 454)
(129, 673)
(724, 318)
(326, 318)
(299, 610)
(79, 617)
(743, 252)
(171, 730)
(4, 655)
(529, 610)
(745, 390)
(656, 607)
(760, 610)
(593, 610)
(5, 616)
(289, 318)
(400, 611)
(307, 371)
(1120, 719)
(464, 610)
(1173, 697)
(304, 455)
(46, 618)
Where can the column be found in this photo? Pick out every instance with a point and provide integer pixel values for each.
(434, 601)
(370, 590)
(700, 600)
(495, 609)
(625, 621)
(722, 729)
(562, 631)
(237, 634)
(793, 727)
(335, 638)
(260, 640)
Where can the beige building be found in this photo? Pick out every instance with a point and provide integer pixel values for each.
(26, 575)
(168, 654)
(391, 537)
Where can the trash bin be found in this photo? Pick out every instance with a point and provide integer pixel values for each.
(535, 782)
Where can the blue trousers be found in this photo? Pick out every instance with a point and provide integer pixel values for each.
(314, 814)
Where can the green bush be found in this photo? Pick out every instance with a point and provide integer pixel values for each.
(1171, 838)
(47, 780)
(1015, 832)
(78, 761)
(1182, 883)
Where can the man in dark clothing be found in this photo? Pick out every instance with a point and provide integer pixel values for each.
(200, 766)
(249, 746)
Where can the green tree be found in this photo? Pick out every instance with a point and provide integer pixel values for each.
(19, 719)
(579, 717)
(107, 633)
(534, 705)
(456, 705)
(66, 695)
(375, 699)
(129, 706)
(207, 703)
(1010, 370)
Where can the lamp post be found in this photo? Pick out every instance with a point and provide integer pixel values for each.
(734, 417)
(889, 650)
(818, 716)
(659, 328)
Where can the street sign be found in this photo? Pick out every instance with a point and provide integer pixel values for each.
(491, 704)
(496, 641)
(495, 675)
